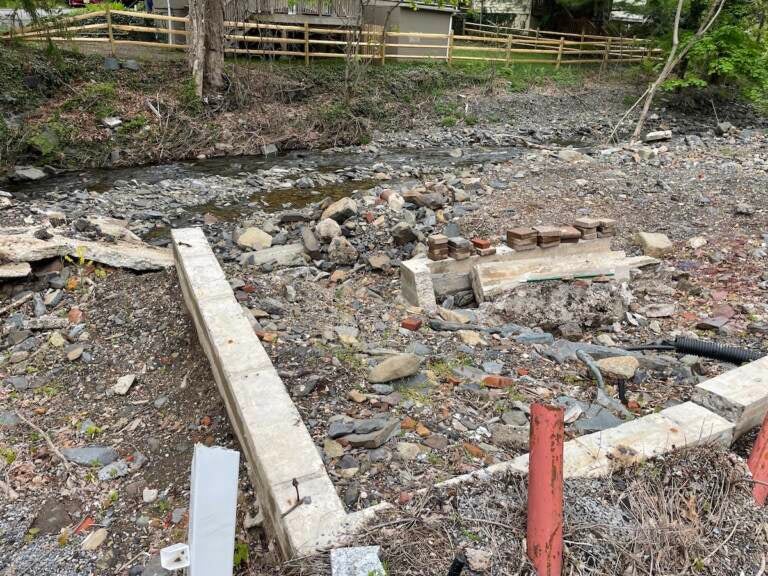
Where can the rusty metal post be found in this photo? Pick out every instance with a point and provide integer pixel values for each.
(545, 490)
(758, 464)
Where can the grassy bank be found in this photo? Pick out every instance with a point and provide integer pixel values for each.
(54, 103)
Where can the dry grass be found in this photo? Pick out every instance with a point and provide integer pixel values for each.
(691, 513)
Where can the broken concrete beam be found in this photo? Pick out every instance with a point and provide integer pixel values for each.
(739, 395)
(490, 280)
(270, 429)
(598, 454)
(25, 247)
(447, 276)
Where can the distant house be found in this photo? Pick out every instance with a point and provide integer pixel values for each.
(514, 13)
(398, 16)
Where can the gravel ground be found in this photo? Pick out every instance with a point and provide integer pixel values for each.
(327, 322)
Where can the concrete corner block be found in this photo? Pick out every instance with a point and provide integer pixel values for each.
(739, 395)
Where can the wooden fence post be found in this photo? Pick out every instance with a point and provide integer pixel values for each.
(581, 42)
(621, 47)
(509, 48)
(306, 43)
(383, 46)
(450, 48)
(560, 52)
(109, 32)
(605, 56)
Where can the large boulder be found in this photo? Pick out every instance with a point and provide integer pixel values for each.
(340, 210)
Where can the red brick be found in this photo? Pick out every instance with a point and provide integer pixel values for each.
(481, 243)
(493, 381)
(411, 324)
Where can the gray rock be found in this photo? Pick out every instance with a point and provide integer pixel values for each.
(8, 419)
(18, 383)
(512, 437)
(383, 389)
(419, 349)
(403, 233)
(340, 210)
(340, 427)
(369, 425)
(341, 251)
(111, 64)
(114, 470)
(374, 439)
(311, 245)
(28, 173)
(131, 65)
(514, 418)
(89, 455)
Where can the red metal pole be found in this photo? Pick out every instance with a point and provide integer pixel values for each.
(758, 464)
(545, 490)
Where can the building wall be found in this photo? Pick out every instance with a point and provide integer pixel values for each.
(519, 11)
(406, 19)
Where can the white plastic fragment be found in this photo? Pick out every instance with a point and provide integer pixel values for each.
(174, 557)
(212, 511)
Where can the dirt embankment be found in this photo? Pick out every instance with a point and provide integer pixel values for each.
(54, 107)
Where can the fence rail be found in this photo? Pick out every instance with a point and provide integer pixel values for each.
(478, 44)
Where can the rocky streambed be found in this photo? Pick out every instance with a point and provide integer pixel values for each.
(396, 399)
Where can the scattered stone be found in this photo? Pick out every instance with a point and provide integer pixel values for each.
(341, 427)
(478, 560)
(332, 449)
(114, 470)
(254, 239)
(619, 367)
(514, 418)
(471, 338)
(149, 495)
(94, 539)
(744, 209)
(374, 439)
(341, 210)
(380, 262)
(341, 251)
(658, 136)
(512, 437)
(654, 244)
(408, 450)
(111, 122)
(395, 367)
(697, 242)
(28, 173)
(89, 455)
(327, 229)
(124, 384)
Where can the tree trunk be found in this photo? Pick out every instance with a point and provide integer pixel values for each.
(196, 40)
(214, 45)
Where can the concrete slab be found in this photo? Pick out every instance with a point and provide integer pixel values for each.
(739, 395)
(272, 434)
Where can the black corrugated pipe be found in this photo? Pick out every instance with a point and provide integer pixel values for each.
(456, 567)
(716, 351)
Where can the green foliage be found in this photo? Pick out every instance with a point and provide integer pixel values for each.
(241, 554)
(135, 124)
(98, 98)
(728, 55)
(8, 454)
(188, 97)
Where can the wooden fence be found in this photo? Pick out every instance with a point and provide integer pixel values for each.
(117, 28)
